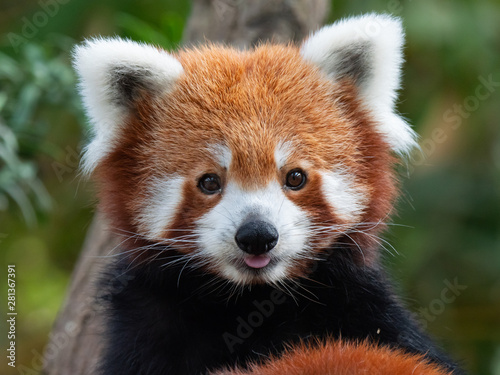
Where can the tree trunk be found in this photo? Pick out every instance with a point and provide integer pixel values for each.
(75, 345)
(245, 23)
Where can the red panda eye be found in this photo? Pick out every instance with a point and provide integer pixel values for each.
(296, 179)
(209, 184)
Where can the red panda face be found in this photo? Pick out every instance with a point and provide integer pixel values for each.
(251, 164)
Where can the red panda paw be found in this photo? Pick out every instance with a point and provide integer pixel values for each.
(343, 358)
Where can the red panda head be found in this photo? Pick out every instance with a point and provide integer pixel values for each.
(253, 164)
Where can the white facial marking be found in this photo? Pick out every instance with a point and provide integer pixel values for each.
(159, 208)
(346, 200)
(218, 228)
(222, 154)
(281, 153)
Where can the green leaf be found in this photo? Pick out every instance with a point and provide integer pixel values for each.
(23, 202)
(27, 101)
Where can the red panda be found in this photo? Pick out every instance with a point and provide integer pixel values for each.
(251, 188)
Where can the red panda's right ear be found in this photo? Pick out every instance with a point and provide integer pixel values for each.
(113, 73)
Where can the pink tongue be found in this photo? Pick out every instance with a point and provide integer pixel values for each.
(257, 261)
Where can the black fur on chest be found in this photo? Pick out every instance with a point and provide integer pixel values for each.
(177, 320)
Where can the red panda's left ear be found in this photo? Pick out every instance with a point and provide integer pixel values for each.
(366, 50)
(114, 74)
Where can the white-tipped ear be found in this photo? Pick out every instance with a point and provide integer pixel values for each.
(113, 74)
(368, 51)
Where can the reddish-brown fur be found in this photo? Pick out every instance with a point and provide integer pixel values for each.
(249, 101)
(343, 358)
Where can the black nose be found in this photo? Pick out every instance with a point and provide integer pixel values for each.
(256, 237)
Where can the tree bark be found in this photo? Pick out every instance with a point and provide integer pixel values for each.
(75, 343)
(245, 23)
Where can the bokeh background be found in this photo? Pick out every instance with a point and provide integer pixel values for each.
(443, 250)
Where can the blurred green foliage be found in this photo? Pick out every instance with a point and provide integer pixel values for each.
(448, 221)
(38, 80)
